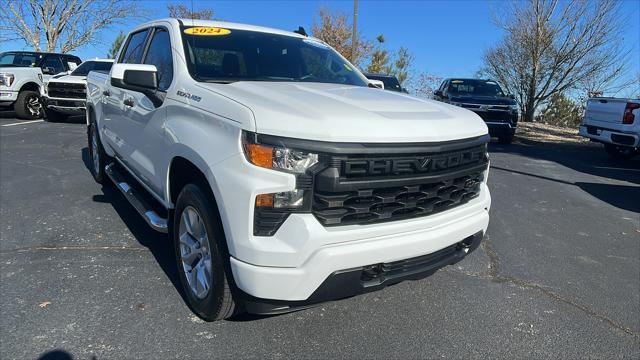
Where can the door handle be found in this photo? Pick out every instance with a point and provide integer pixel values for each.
(128, 102)
(106, 93)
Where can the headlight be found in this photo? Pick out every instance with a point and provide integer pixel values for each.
(514, 108)
(279, 158)
(6, 79)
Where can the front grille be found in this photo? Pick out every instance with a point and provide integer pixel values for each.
(341, 198)
(495, 115)
(67, 90)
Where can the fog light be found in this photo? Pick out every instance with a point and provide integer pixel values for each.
(281, 200)
(289, 199)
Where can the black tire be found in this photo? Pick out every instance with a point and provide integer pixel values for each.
(54, 116)
(507, 139)
(219, 301)
(28, 106)
(620, 152)
(97, 170)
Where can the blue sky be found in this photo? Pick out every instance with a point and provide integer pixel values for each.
(446, 37)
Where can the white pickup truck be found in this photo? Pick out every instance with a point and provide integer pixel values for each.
(282, 178)
(23, 77)
(65, 94)
(615, 123)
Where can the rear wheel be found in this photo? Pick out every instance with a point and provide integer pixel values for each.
(28, 105)
(202, 258)
(54, 116)
(98, 157)
(620, 152)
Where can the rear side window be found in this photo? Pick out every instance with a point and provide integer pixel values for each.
(54, 63)
(159, 54)
(135, 48)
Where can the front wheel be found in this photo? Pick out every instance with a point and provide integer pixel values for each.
(620, 152)
(28, 105)
(201, 256)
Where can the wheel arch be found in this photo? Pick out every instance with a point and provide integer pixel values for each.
(185, 169)
(30, 85)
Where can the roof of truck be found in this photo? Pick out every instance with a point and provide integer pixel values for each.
(224, 24)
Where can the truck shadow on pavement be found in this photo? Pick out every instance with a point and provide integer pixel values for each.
(585, 159)
(157, 243)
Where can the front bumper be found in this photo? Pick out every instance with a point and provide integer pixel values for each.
(301, 282)
(608, 136)
(497, 129)
(66, 106)
(8, 97)
(363, 279)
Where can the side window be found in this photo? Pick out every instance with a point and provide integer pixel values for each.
(54, 63)
(159, 54)
(135, 47)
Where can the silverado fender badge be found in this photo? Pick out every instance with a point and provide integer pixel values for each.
(189, 96)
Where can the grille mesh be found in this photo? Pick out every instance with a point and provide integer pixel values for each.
(365, 206)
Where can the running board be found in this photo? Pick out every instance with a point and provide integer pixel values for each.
(142, 207)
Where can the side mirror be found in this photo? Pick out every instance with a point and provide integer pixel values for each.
(511, 96)
(139, 78)
(437, 93)
(376, 83)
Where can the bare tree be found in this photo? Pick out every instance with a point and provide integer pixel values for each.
(62, 25)
(554, 46)
(336, 30)
(183, 12)
(426, 84)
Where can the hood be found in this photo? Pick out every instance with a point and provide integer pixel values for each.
(478, 99)
(20, 69)
(339, 113)
(65, 78)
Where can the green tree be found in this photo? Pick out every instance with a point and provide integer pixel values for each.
(379, 58)
(402, 64)
(561, 111)
(115, 46)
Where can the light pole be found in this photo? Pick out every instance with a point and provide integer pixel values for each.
(354, 35)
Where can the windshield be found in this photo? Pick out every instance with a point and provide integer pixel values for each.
(229, 55)
(85, 67)
(475, 87)
(20, 59)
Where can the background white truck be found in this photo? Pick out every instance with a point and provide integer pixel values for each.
(65, 94)
(23, 75)
(615, 123)
(281, 176)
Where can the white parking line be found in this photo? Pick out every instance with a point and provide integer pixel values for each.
(23, 122)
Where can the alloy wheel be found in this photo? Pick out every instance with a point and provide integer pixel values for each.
(195, 253)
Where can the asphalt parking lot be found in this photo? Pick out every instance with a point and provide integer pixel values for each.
(557, 277)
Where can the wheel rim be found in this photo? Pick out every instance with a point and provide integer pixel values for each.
(95, 154)
(33, 105)
(195, 253)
